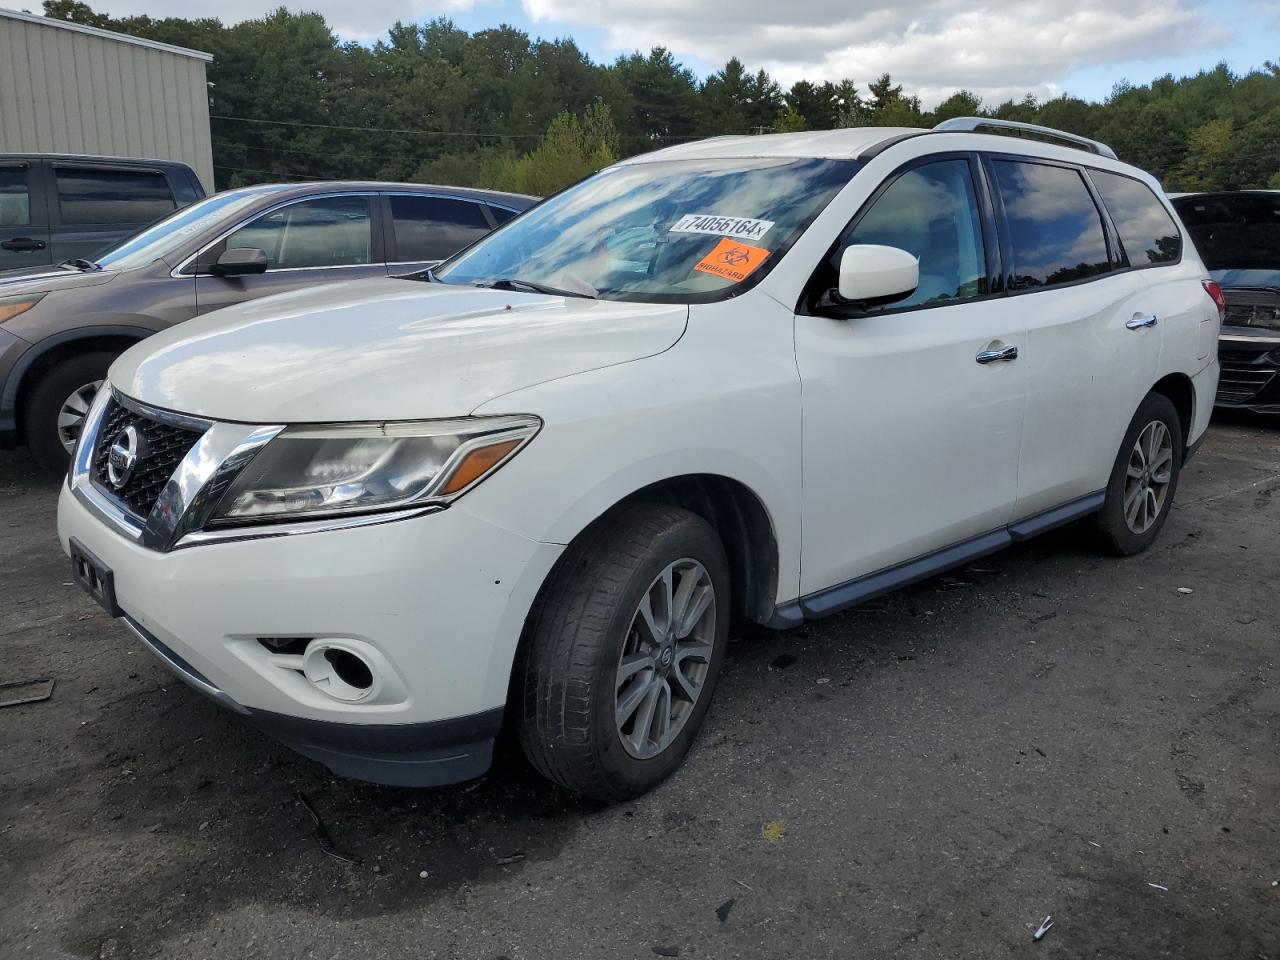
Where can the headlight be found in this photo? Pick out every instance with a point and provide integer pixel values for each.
(317, 471)
(11, 307)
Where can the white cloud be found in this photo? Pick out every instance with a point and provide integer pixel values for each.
(999, 48)
(365, 21)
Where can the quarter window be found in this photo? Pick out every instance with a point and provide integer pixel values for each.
(112, 196)
(15, 202)
(1147, 231)
(325, 232)
(434, 228)
(1055, 228)
(930, 211)
(501, 214)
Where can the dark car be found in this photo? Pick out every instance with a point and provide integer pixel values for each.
(60, 207)
(1238, 236)
(61, 327)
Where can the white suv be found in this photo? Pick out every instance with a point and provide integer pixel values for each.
(752, 377)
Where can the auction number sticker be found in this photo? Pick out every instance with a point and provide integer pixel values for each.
(732, 260)
(743, 228)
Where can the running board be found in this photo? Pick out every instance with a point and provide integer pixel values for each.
(845, 595)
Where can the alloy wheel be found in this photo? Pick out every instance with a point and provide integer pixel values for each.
(72, 413)
(665, 660)
(1146, 483)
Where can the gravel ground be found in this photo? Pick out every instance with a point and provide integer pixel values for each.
(1046, 732)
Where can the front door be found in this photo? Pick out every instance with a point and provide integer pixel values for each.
(307, 242)
(24, 223)
(912, 410)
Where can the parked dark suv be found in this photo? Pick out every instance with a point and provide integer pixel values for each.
(1238, 237)
(61, 327)
(55, 208)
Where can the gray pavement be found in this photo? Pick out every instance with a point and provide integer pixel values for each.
(1046, 732)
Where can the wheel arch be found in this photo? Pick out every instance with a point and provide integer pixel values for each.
(737, 514)
(49, 352)
(1182, 394)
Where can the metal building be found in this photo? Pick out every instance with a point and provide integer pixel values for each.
(67, 88)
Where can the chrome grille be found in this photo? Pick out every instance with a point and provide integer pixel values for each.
(165, 447)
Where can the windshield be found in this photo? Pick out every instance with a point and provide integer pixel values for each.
(676, 231)
(1237, 235)
(167, 235)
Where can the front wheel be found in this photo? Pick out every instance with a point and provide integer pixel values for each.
(623, 651)
(56, 410)
(1143, 479)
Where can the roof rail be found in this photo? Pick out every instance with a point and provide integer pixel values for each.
(975, 124)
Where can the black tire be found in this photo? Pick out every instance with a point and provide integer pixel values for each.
(1114, 532)
(40, 420)
(566, 680)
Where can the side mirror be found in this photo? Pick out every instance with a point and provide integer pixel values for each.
(237, 261)
(870, 273)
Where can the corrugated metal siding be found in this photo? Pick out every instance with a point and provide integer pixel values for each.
(68, 92)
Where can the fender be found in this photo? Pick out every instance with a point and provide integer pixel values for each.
(9, 392)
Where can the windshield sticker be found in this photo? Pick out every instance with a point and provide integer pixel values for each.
(744, 228)
(732, 260)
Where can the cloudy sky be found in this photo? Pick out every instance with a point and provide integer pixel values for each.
(998, 48)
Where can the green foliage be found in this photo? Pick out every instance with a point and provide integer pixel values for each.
(789, 120)
(572, 149)
(432, 102)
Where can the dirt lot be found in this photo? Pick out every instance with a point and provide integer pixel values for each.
(1047, 732)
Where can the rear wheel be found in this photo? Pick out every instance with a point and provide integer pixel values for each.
(1143, 479)
(623, 652)
(56, 409)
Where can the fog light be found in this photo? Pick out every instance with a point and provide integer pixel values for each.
(339, 670)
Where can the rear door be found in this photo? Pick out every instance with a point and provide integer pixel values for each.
(912, 410)
(95, 206)
(24, 219)
(1089, 361)
(426, 229)
(308, 241)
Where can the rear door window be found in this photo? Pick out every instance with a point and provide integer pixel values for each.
(1149, 235)
(15, 199)
(324, 232)
(1055, 229)
(104, 196)
(435, 228)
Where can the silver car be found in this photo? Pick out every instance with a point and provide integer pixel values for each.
(61, 327)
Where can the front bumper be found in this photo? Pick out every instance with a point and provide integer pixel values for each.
(440, 598)
(1249, 358)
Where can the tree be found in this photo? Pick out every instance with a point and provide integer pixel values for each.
(1208, 164)
(962, 103)
(433, 101)
(789, 120)
(573, 148)
(819, 104)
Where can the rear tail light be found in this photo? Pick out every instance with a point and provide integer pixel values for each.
(1214, 290)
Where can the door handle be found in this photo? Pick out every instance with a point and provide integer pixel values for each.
(1140, 320)
(22, 244)
(993, 356)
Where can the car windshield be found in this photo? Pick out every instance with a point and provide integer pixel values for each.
(669, 231)
(1237, 236)
(168, 234)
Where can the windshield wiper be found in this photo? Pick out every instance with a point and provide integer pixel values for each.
(81, 264)
(529, 286)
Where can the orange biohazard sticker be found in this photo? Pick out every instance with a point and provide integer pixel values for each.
(732, 260)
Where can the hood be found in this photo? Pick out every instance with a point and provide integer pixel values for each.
(44, 279)
(384, 349)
